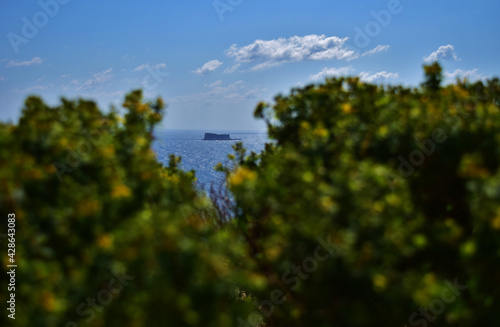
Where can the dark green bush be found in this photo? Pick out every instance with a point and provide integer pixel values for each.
(402, 218)
(91, 203)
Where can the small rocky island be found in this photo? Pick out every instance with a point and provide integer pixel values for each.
(218, 137)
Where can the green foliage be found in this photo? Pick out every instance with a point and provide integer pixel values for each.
(91, 201)
(433, 77)
(400, 230)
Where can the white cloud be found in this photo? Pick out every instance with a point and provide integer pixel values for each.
(383, 75)
(34, 61)
(97, 79)
(251, 94)
(266, 65)
(131, 80)
(331, 72)
(444, 52)
(41, 79)
(334, 53)
(232, 69)
(471, 75)
(2, 78)
(208, 67)
(65, 76)
(38, 87)
(155, 67)
(377, 49)
(71, 85)
(368, 77)
(214, 84)
(105, 94)
(220, 93)
(33, 88)
(296, 48)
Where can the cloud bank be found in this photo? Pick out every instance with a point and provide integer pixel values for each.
(34, 61)
(368, 77)
(444, 52)
(472, 75)
(269, 53)
(96, 80)
(208, 67)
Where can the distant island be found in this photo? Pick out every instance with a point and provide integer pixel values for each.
(218, 137)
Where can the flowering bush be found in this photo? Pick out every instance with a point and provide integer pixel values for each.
(105, 235)
(400, 186)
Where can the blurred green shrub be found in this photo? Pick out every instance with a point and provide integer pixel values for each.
(404, 182)
(92, 203)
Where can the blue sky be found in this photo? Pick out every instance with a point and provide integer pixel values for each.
(213, 61)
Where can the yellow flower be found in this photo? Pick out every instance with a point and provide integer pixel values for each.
(50, 169)
(258, 281)
(108, 151)
(327, 203)
(273, 252)
(321, 132)
(495, 223)
(378, 206)
(48, 301)
(120, 191)
(468, 248)
(141, 141)
(240, 175)
(34, 173)
(419, 240)
(305, 125)
(173, 178)
(346, 108)
(63, 142)
(87, 207)
(308, 177)
(105, 241)
(393, 199)
(380, 281)
(471, 166)
(142, 108)
(383, 130)
(156, 116)
(415, 112)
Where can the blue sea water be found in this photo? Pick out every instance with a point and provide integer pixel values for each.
(203, 156)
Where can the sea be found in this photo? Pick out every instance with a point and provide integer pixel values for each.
(202, 156)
